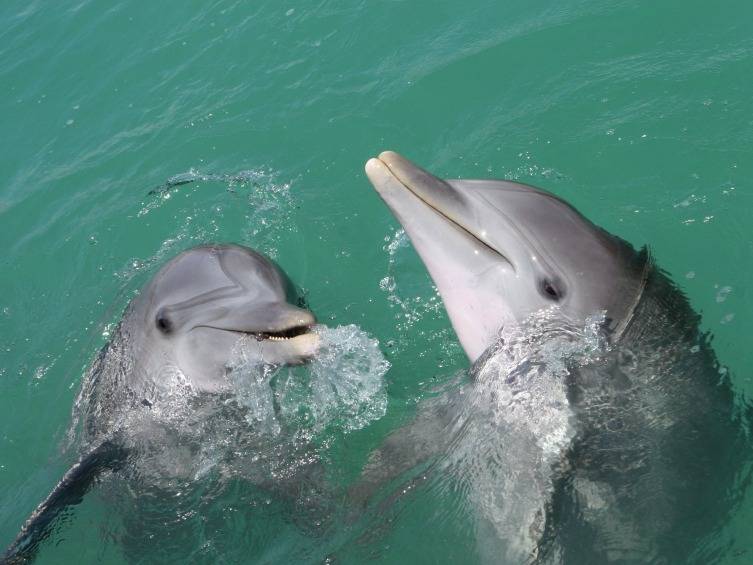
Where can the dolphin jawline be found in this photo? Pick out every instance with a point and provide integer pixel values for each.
(285, 334)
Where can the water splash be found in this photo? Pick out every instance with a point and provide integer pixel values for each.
(522, 379)
(342, 388)
(409, 310)
(241, 178)
(516, 426)
(267, 215)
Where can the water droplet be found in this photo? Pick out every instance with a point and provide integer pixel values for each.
(723, 293)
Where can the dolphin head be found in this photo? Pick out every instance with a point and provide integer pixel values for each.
(499, 251)
(195, 310)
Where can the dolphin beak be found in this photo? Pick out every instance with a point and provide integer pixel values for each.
(270, 318)
(407, 191)
(425, 205)
(441, 223)
(391, 174)
(284, 333)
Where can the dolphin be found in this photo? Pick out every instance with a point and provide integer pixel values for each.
(630, 454)
(178, 334)
(499, 251)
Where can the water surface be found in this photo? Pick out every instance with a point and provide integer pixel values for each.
(638, 113)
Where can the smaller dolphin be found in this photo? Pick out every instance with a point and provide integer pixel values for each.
(185, 324)
(199, 304)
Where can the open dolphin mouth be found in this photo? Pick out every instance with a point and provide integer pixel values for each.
(280, 335)
(278, 322)
(283, 335)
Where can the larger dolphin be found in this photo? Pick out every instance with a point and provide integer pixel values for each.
(175, 341)
(632, 455)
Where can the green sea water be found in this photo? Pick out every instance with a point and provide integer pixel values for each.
(639, 113)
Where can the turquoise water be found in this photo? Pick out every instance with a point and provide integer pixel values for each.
(638, 113)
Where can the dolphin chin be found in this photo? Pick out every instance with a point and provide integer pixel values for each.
(287, 350)
(500, 251)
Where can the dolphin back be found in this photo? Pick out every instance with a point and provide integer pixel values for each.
(69, 492)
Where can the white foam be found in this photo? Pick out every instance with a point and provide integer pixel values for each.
(518, 426)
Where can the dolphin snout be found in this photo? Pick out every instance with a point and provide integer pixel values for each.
(434, 191)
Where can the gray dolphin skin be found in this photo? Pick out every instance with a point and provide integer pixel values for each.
(636, 453)
(183, 327)
(499, 251)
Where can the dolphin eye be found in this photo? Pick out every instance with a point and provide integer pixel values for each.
(550, 290)
(163, 323)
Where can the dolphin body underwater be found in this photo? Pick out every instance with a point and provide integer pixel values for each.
(633, 452)
(177, 335)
